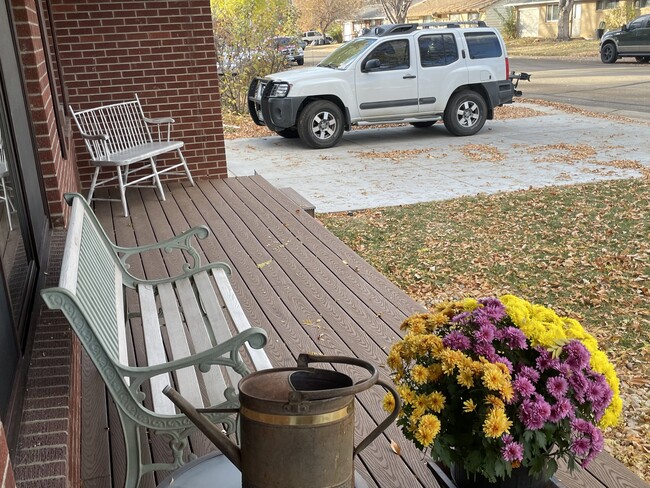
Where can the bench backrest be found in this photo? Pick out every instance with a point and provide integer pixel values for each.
(91, 277)
(122, 123)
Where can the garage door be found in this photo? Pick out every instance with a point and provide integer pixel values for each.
(528, 22)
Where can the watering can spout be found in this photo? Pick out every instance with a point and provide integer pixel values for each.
(227, 447)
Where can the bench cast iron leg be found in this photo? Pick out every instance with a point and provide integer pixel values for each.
(157, 179)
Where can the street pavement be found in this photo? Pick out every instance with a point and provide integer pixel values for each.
(387, 166)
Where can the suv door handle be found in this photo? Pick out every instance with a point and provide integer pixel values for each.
(408, 77)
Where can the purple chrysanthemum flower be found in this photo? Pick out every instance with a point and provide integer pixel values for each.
(577, 355)
(485, 349)
(557, 386)
(581, 446)
(579, 383)
(523, 387)
(512, 451)
(504, 360)
(545, 360)
(562, 409)
(485, 333)
(456, 340)
(507, 438)
(534, 413)
(461, 318)
(493, 308)
(531, 373)
(513, 337)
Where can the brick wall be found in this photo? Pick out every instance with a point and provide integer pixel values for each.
(6, 473)
(161, 50)
(59, 173)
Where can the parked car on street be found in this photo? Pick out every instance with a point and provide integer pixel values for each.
(407, 73)
(313, 37)
(631, 40)
(290, 49)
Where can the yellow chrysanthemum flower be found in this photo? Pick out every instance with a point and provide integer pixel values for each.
(389, 402)
(495, 401)
(465, 378)
(436, 401)
(419, 374)
(428, 429)
(493, 378)
(496, 423)
(406, 394)
(469, 406)
(435, 372)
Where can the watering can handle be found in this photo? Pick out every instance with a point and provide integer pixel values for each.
(304, 359)
(386, 422)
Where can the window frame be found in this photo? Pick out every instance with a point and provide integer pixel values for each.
(552, 12)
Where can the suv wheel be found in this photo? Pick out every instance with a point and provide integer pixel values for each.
(465, 113)
(608, 53)
(320, 124)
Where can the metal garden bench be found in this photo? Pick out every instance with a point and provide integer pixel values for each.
(118, 136)
(186, 320)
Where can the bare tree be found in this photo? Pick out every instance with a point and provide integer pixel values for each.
(324, 13)
(396, 10)
(564, 20)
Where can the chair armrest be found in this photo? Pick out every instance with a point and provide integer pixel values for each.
(96, 137)
(255, 336)
(159, 120)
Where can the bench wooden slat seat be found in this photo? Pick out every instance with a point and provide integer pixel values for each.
(195, 333)
(118, 136)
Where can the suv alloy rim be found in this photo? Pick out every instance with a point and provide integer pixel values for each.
(468, 113)
(323, 125)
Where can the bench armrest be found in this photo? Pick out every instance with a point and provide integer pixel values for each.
(159, 120)
(95, 137)
(159, 131)
(255, 336)
(181, 242)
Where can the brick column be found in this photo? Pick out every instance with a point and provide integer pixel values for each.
(6, 472)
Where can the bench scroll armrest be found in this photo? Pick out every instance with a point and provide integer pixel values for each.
(181, 242)
(224, 354)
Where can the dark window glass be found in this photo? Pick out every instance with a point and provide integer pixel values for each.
(483, 45)
(392, 55)
(437, 50)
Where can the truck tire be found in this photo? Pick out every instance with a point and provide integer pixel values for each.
(320, 124)
(608, 53)
(465, 113)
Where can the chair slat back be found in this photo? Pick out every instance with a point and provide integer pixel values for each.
(123, 123)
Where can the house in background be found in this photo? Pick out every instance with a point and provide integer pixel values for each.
(539, 18)
(366, 17)
(489, 11)
(55, 53)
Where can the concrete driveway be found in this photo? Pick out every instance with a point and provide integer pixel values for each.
(402, 165)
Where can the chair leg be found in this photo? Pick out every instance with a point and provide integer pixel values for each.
(133, 460)
(187, 170)
(120, 180)
(156, 178)
(93, 183)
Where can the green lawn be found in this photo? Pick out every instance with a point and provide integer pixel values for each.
(550, 47)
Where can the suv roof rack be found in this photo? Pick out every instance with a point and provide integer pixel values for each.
(393, 29)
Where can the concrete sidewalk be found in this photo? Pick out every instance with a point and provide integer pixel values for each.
(402, 165)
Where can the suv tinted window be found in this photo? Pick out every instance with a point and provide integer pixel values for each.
(392, 54)
(483, 45)
(437, 50)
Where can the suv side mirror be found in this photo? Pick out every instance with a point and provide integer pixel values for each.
(624, 27)
(370, 65)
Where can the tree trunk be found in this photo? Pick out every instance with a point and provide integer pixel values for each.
(564, 20)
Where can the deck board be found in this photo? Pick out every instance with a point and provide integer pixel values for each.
(307, 289)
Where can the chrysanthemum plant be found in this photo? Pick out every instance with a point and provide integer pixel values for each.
(495, 384)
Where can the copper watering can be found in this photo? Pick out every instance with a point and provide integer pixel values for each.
(296, 425)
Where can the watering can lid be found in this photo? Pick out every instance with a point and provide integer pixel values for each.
(277, 384)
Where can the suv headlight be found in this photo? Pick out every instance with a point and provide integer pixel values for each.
(280, 90)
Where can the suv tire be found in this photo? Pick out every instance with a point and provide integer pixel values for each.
(465, 113)
(320, 124)
(608, 53)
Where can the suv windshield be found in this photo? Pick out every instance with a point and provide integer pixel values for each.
(348, 52)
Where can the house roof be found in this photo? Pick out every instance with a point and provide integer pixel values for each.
(430, 7)
(370, 12)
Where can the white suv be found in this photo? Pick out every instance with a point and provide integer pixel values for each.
(313, 37)
(407, 73)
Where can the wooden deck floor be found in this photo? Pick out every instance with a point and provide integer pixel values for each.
(308, 290)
